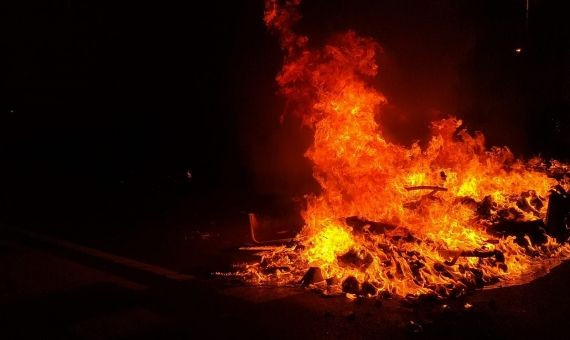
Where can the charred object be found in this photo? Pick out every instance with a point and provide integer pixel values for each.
(558, 214)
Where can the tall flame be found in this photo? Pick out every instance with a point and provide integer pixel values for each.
(403, 220)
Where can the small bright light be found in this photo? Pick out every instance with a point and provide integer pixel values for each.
(518, 50)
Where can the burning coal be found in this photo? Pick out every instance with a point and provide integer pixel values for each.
(436, 220)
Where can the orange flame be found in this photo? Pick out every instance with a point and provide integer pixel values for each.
(422, 224)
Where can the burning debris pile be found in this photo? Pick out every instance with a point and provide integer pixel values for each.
(438, 220)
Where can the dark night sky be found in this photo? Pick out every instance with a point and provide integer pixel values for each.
(97, 97)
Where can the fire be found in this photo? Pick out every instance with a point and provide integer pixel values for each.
(397, 219)
(330, 242)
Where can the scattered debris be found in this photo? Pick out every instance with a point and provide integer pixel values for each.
(368, 289)
(499, 257)
(331, 281)
(535, 230)
(558, 214)
(361, 225)
(254, 227)
(313, 275)
(426, 187)
(351, 285)
(352, 258)
(351, 296)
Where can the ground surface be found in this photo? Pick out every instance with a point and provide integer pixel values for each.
(152, 280)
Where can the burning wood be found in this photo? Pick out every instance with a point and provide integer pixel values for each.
(361, 225)
(499, 257)
(426, 187)
(373, 230)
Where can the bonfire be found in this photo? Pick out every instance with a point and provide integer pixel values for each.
(406, 221)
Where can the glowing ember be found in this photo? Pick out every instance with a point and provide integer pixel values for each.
(397, 219)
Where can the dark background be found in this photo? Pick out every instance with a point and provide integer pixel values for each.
(104, 106)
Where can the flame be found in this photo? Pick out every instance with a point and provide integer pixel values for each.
(328, 243)
(424, 214)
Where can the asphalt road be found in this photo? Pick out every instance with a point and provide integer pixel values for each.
(156, 284)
